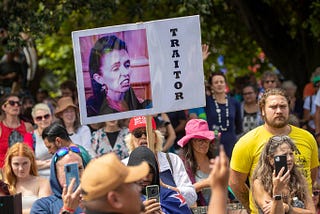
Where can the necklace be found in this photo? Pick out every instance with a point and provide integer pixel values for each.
(218, 110)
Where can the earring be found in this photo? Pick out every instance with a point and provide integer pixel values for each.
(103, 87)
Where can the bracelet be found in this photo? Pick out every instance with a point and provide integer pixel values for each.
(70, 210)
(168, 187)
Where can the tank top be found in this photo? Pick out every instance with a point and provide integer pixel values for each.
(10, 136)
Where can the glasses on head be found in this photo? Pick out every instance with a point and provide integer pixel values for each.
(270, 81)
(13, 103)
(139, 132)
(280, 139)
(316, 192)
(40, 118)
(64, 151)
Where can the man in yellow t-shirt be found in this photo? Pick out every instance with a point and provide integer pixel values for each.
(274, 107)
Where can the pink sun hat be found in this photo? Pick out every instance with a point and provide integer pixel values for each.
(196, 128)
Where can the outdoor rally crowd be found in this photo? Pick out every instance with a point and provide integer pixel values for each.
(256, 124)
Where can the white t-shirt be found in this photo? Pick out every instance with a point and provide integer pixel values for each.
(179, 175)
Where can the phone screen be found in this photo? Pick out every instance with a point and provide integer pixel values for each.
(279, 162)
(153, 192)
(71, 170)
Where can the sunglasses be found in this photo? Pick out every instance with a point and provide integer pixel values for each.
(40, 118)
(13, 103)
(64, 151)
(316, 192)
(139, 132)
(270, 81)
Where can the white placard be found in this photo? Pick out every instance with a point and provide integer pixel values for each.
(157, 66)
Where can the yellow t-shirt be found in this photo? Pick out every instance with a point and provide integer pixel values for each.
(247, 150)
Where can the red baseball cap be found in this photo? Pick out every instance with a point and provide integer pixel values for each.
(140, 122)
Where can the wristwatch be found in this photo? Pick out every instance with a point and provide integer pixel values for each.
(277, 197)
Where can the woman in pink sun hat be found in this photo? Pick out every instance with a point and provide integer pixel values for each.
(197, 150)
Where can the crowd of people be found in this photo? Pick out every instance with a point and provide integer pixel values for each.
(185, 153)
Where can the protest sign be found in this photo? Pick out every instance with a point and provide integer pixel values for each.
(139, 69)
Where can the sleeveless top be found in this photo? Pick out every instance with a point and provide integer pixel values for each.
(10, 136)
(28, 200)
(41, 153)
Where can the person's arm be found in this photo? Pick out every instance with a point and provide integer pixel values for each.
(171, 133)
(219, 183)
(314, 174)
(317, 117)
(205, 51)
(43, 164)
(317, 123)
(71, 200)
(44, 189)
(29, 127)
(237, 182)
(182, 180)
(202, 184)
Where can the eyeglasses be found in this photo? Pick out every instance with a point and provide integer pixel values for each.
(40, 118)
(316, 192)
(270, 81)
(12, 102)
(64, 151)
(139, 132)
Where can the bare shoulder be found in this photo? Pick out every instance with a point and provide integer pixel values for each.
(42, 180)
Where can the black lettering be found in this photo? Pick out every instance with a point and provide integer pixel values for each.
(176, 64)
(178, 85)
(177, 74)
(173, 31)
(174, 43)
(175, 53)
(179, 95)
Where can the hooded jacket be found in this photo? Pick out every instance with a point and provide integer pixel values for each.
(170, 200)
(53, 203)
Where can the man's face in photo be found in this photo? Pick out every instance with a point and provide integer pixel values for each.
(115, 70)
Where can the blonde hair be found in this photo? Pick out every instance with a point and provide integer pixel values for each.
(18, 149)
(40, 106)
(158, 141)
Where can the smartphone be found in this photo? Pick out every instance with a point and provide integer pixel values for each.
(71, 170)
(153, 192)
(279, 162)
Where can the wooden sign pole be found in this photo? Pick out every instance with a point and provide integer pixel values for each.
(150, 135)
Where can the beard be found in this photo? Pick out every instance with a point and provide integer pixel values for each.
(279, 122)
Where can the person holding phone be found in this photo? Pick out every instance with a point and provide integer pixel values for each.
(172, 172)
(197, 150)
(64, 199)
(277, 193)
(274, 108)
(156, 198)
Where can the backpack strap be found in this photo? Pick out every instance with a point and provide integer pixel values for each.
(170, 163)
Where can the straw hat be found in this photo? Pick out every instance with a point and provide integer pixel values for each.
(63, 104)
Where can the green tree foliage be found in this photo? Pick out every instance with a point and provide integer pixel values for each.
(287, 31)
